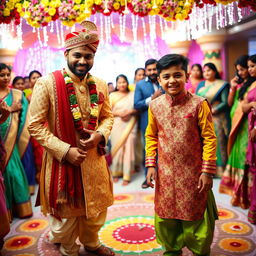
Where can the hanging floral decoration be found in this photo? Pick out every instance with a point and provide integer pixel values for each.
(8, 12)
(41, 12)
(106, 7)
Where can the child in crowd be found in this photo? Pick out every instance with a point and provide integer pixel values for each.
(181, 158)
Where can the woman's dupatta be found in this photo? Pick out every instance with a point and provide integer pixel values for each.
(66, 179)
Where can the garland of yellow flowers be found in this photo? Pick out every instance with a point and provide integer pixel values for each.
(76, 113)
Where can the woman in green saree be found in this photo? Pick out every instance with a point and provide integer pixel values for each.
(15, 137)
(215, 91)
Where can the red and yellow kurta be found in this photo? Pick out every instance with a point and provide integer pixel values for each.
(96, 177)
(180, 134)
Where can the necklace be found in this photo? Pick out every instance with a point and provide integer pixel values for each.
(75, 110)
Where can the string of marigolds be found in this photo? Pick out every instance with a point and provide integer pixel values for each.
(41, 13)
(75, 110)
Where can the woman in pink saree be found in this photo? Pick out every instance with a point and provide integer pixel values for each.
(249, 106)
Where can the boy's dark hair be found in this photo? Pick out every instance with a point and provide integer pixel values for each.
(150, 62)
(170, 60)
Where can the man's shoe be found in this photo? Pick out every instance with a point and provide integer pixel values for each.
(145, 185)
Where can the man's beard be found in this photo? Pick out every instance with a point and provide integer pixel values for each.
(153, 78)
(79, 73)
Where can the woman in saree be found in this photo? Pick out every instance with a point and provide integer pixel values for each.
(139, 74)
(15, 137)
(234, 181)
(4, 218)
(196, 76)
(215, 91)
(123, 132)
(249, 106)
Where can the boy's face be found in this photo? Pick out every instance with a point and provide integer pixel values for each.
(173, 80)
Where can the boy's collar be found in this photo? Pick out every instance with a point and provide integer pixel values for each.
(181, 98)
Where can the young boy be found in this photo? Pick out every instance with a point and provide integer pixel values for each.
(180, 135)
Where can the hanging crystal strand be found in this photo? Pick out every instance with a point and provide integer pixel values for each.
(45, 36)
(134, 29)
(200, 19)
(109, 28)
(225, 15)
(161, 26)
(39, 37)
(112, 22)
(51, 28)
(217, 17)
(124, 25)
(19, 35)
(57, 32)
(221, 15)
(211, 18)
(145, 36)
(101, 30)
(62, 34)
(106, 29)
(192, 22)
(95, 18)
(240, 16)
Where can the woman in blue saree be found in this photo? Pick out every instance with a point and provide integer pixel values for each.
(216, 91)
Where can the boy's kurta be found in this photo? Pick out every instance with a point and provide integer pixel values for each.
(180, 134)
(96, 178)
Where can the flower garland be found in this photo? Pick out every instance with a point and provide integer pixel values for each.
(76, 113)
(41, 12)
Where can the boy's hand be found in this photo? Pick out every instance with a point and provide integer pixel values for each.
(151, 176)
(204, 183)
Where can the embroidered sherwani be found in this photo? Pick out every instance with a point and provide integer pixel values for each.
(97, 182)
(180, 132)
(184, 137)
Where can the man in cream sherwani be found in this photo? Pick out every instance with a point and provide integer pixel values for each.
(71, 118)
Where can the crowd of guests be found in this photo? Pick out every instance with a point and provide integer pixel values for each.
(233, 107)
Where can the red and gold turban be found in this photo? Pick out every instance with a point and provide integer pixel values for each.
(88, 36)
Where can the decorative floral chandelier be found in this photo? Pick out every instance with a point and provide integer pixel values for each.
(39, 13)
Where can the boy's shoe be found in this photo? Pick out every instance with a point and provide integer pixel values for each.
(145, 185)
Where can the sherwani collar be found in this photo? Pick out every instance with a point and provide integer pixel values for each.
(178, 100)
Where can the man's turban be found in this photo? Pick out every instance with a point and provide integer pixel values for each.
(86, 37)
